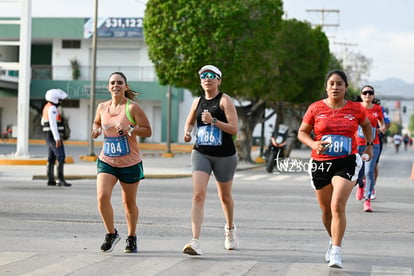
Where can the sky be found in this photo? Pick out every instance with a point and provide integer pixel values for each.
(381, 30)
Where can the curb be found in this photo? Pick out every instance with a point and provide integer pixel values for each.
(93, 176)
(30, 161)
(148, 176)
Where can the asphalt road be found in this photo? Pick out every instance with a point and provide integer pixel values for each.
(58, 231)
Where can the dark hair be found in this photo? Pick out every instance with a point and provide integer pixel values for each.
(357, 99)
(339, 73)
(376, 101)
(129, 93)
(370, 86)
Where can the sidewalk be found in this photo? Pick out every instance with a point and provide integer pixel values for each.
(155, 164)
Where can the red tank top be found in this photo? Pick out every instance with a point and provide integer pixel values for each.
(342, 122)
(373, 114)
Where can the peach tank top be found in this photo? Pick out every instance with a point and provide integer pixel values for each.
(118, 150)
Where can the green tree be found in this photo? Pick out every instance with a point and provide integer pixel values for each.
(394, 128)
(237, 36)
(182, 36)
(301, 60)
(334, 63)
(242, 38)
(411, 124)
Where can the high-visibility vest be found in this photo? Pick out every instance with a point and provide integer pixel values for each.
(45, 118)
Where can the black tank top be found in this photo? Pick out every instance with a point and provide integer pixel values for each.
(227, 147)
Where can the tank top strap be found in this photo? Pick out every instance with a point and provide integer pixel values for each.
(127, 113)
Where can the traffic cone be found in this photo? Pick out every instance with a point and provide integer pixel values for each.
(412, 172)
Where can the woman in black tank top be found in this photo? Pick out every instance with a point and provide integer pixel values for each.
(213, 121)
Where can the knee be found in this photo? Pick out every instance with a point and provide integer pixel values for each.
(199, 196)
(130, 206)
(337, 209)
(103, 199)
(326, 212)
(226, 198)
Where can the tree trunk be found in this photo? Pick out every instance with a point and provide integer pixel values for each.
(249, 117)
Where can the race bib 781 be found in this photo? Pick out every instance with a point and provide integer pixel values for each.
(339, 145)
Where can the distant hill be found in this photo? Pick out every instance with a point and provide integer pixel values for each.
(393, 87)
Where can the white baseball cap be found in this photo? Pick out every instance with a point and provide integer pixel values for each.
(211, 68)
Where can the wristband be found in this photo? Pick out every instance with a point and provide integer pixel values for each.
(370, 144)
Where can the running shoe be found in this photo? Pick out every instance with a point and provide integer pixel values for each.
(110, 241)
(192, 248)
(373, 195)
(335, 259)
(131, 246)
(231, 241)
(359, 195)
(328, 252)
(367, 206)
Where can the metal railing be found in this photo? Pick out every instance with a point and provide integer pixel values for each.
(49, 72)
(134, 73)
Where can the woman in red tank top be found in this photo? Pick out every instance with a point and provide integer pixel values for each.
(335, 162)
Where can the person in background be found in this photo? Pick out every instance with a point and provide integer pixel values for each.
(406, 140)
(52, 127)
(382, 138)
(215, 118)
(397, 139)
(335, 163)
(120, 120)
(376, 119)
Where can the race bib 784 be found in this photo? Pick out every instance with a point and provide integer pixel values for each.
(116, 146)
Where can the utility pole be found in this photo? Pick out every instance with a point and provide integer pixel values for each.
(344, 51)
(324, 13)
(345, 46)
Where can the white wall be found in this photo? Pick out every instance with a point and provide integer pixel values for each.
(184, 109)
(128, 56)
(9, 112)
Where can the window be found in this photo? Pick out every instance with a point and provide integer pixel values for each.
(71, 44)
(67, 103)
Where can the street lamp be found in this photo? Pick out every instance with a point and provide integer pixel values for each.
(169, 99)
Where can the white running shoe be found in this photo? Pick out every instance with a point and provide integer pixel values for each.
(335, 259)
(328, 252)
(231, 241)
(192, 248)
(373, 195)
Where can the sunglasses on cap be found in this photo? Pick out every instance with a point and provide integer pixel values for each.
(369, 92)
(209, 75)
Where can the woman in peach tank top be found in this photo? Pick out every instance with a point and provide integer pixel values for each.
(120, 120)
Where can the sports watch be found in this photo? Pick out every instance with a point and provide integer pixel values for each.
(131, 129)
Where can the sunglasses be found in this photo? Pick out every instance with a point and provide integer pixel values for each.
(117, 82)
(369, 92)
(209, 75)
